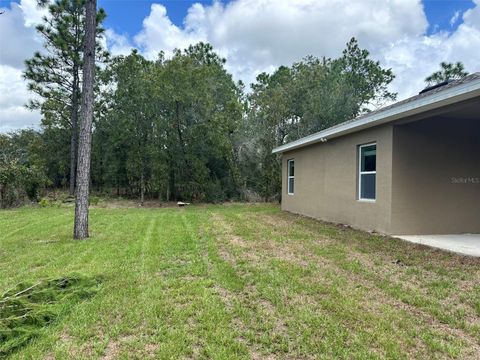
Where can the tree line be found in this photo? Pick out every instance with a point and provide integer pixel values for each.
(176, 127)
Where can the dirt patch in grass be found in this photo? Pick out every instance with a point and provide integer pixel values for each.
(224, 228)
(114, 347)
(249, 298)
(275, 221)
(414, 268)
(226, 256)
(424, 280)
(151, 349)
(226, 296)
(284, 224)
(260, 248)
(350, 266)
(234, 250)
(111, 351)
(258, 356)
(65, 337)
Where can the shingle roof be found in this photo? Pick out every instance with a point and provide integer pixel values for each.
(373, 118)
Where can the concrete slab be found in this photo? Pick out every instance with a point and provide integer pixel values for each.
(466, 244)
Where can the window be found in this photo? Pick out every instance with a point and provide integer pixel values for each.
(291, 176)
(367, 172)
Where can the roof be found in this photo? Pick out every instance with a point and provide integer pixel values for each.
(459, 90)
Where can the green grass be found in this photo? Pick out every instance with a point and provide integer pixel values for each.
(237, 281)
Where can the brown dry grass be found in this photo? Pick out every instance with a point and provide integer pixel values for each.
(380, 266)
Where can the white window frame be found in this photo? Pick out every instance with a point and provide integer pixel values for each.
(360, 172)
(290, 177)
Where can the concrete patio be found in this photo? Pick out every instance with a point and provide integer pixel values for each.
(465, 244)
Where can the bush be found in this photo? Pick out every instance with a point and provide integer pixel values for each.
(214, 192)
(18, 183)
(63, 197)
(94, 200)
(44, 202)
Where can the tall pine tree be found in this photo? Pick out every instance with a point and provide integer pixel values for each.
(56, 73)
(85, 141)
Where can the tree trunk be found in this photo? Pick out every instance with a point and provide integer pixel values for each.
(172, 195)
(73, 138)
(179, 132)
(80, 230)
(142, 189)
(188, 167)
(2, 196)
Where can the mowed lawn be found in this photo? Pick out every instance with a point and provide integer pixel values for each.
(240, 281)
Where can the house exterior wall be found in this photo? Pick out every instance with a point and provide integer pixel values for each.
(326, 178)
(428, 179)
(436, 177)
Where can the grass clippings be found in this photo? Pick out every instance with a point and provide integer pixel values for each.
(27, 309)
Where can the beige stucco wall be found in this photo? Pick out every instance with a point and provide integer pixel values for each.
(428, 179)
(326, 181)
(436, 174)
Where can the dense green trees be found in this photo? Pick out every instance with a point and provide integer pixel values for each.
(180, 128)
(171, 127)
(55, 75)
(310, 96)
(22, 167)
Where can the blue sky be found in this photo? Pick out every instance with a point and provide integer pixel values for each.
(440, 12)
(126, 16)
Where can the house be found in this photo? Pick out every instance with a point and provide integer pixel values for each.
(409, 168)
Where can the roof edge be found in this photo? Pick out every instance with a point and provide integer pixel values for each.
(443, 98)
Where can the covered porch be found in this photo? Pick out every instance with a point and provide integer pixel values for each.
(436, 177)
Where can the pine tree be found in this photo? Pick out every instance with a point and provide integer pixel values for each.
(55, 74)
(448, 71)
(85, 139)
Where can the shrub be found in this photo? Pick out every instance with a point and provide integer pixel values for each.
(214, 192)
(19, 182)
(94, 200)
(44, 202)
(63, 197)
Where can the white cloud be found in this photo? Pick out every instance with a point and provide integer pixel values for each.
(159, 33)
(414, 58)
(455, 18)
(13, 114)
(17, 40)
(33, 14)
(260, 35)
(117, 44)
(471, 17)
